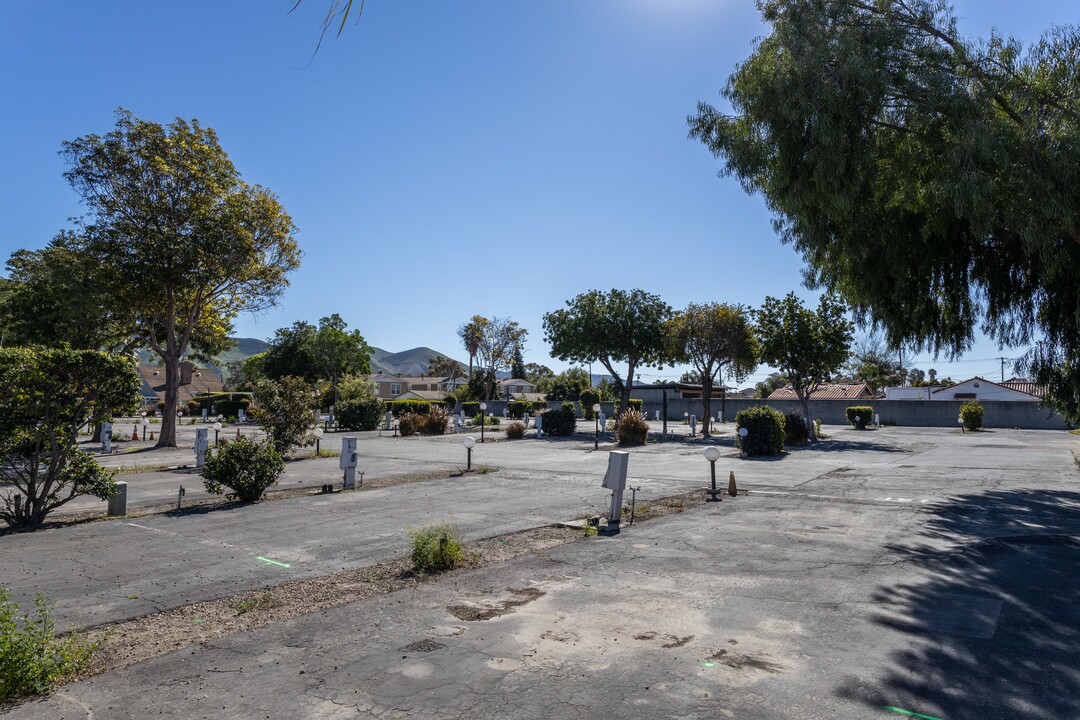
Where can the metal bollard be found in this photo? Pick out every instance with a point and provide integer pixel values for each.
(118, 502)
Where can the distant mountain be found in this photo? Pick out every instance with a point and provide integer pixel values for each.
(244, 347)
(409, 363)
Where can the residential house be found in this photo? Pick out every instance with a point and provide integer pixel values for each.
(980, 389)
(675, 391)
(515, 388)
(388, 387)
(193, 381)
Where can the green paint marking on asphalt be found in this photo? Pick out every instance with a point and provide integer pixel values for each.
(911, 714)
(272, 562)
(709, 664)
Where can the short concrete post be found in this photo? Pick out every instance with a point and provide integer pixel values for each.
(693, 425)
(202, 444)
(615, 480)
(347, 462)
(539, 426)
(118, 502)
(106, 437)
(389, 419)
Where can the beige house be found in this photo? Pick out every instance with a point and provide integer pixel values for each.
(388, 387)
(514, 387)
(193, 381)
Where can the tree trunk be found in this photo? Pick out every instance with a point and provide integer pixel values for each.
(706, 404)
(805, 400)
(167, 438)
(627, 386)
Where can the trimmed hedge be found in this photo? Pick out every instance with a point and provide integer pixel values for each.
(227, 404)
(588, 399)
(401, 407)
(765, 431)
(519, 408)
(560, 422)
(635, 404)
(864, 413)
(360, 414)
(471, 408)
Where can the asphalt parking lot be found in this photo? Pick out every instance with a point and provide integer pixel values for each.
(876, 574)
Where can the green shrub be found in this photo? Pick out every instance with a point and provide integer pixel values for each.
(632, 428)
(436, 548)
(471, 408)
(219, 404)
(479, 419)
(284, 411)
(972, 413)
(32, 658)
(817, 430)
(519, 408)
(245, 467)
(360, 414)
(400, 407)
(560, 422)
(449, 402)
(795, 432)
(765, 431)
(539, 406)
(864, 413)
(588, 399)
(515, 430)
(635, 404)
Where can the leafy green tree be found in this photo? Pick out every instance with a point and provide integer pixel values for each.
(771, 384)
(871, 362)
(284, 411)
(471, 334)
(45, 397)
(498, 340)
(568, 385)
(290, 353)
(611, 328)
(933, 180)
(517, 364)
(337, 352)
(174, 234)
(56, 298)
(716, 339)
(808, 346)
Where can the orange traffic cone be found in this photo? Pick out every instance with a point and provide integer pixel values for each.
(151, 434)
(731, 489)
(135, 433)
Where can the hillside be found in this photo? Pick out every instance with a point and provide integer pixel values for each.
(407, 362)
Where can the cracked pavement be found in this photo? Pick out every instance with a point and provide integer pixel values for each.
(831, 591)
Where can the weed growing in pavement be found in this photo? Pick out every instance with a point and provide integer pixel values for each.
(436, 548)
(32, 658)
(266, 601)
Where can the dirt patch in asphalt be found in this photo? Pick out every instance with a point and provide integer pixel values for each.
(740, 661)
(125, 643)
(520, 597)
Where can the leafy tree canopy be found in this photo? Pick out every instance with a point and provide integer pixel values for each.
(613, 328)
(716, 339)
(46, 396)
(932, 179)
(806, 345)
(176, 237)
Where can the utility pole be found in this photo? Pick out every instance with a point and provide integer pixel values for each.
(1002, 369)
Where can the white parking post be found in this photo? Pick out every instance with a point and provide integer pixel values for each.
(347, 462)
(615, 480)
(202, 444)
(106, 437)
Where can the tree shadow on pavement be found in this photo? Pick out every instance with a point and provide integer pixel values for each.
(993, 623)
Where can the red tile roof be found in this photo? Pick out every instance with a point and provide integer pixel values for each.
(1025, 386)
(858, 391)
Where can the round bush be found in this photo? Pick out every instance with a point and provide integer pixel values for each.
(632, 428)
(560, 422)
(859, 416)
(360, 414)
(795, 432)
(972, 413)
(246, 468)
(765, 431)
(515, 431)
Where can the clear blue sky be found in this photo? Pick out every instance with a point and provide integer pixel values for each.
(441, 159)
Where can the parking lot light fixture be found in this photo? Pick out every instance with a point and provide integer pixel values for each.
(712, 454)
(469, 442)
